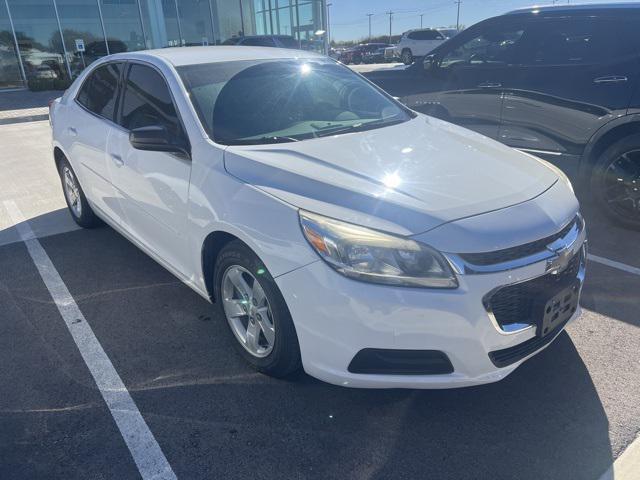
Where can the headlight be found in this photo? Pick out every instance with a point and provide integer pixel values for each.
(372, 256)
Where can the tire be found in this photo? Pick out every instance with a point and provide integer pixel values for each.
(406, 56)
(357, 60)
(77, 204)
(283, 356)
(619, 200)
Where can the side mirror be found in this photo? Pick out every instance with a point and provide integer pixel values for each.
(430, 62)
(157, 138)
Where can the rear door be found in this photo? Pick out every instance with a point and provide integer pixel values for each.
(573, 75)
(87, 134)
(153, 187)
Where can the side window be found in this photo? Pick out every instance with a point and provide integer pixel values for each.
(428, 35)
(147, 101)
(412, 36)
(574, 41)
(99, 92)
(495, 46)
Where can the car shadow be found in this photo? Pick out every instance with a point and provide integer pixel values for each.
(213, 416)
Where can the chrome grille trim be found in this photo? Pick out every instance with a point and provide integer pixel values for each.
(572, 240)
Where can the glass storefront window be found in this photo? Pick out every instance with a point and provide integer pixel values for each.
(195, 22)
(123, 25)
(172, 28)
(80, 20)
(10, 76)
(48, 31)
(228, 19)
(39, 40)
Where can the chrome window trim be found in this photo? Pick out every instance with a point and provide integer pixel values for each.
(572, 241)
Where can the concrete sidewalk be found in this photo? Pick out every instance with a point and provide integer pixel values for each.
(25, 106)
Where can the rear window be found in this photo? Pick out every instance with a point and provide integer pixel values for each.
(99, 92)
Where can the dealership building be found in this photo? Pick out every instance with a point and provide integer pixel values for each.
(57, 39)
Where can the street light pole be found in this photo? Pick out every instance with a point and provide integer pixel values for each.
(458, 17)
(369, 15)
(421, 15)
(390, 13)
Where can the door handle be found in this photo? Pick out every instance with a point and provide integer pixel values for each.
(490, 85)
(72, 131)
(117, 159)
(610, 79)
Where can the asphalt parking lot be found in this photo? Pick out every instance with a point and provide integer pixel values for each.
(565, 414)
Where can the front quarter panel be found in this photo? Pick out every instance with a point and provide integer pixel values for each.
(221, 202)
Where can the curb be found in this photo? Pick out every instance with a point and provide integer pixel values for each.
(627, 465)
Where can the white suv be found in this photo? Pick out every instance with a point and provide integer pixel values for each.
(333, 228)
(418, 43)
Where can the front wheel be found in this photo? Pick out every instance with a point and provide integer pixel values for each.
(615, 181)
(255, 311)
(79, 208)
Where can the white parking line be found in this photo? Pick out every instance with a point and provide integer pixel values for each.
(612, 263)
(144, 448)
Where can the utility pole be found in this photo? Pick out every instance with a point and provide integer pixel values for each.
(390, 13)
(421, 15)
(369, 15)
(458, 17)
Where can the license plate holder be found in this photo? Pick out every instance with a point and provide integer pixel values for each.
(559, 309)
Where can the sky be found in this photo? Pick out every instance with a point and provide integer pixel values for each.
(349, 19)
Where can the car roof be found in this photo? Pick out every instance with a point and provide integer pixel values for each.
(577, 8)
(428, 29)
(179, 56)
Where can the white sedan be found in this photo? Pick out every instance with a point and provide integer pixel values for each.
(335, 229)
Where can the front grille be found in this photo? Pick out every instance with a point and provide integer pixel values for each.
(513, 253)
(523, 302)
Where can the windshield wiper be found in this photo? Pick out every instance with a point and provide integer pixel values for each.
(357, 127)
(264, 140)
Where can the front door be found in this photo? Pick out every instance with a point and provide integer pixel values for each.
(153, 187)
(465, 83)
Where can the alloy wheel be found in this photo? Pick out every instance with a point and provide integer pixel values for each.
(72, 191)
(248, 311)
(621, 185)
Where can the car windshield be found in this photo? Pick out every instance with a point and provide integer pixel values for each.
(285, 100)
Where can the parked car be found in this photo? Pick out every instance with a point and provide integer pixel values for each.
(418, 43)
(559, 82)
(335, 229)
(278, 41)
(359, 53)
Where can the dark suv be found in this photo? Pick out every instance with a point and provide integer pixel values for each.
(558, 82)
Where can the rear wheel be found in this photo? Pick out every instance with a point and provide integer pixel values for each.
(406, 56)
(615, 181)
(79, 208)
(256, 312)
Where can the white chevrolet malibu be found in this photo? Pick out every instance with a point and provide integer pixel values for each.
(333, 228)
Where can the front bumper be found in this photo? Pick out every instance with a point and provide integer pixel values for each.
(336, 317)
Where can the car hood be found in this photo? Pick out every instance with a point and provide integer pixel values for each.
(407, 178)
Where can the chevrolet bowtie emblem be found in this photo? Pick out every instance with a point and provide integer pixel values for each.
(560, 261)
